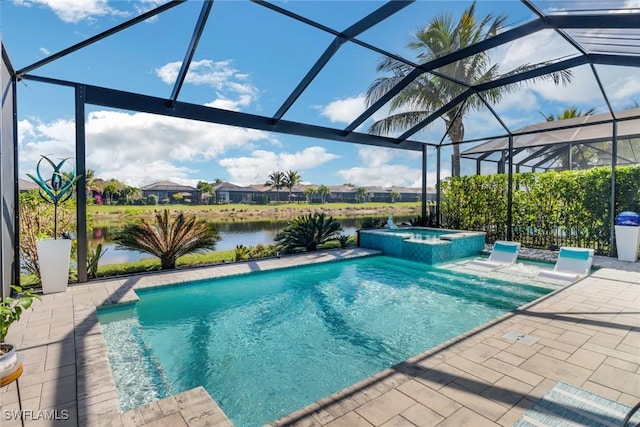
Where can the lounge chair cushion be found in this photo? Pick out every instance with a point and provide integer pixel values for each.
(557, 275)
(502, 253)
(571, 265)
(488, 264)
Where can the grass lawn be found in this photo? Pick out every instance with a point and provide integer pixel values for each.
(153, 264)
(149, 209)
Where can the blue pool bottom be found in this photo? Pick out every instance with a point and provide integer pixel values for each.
(266, 344)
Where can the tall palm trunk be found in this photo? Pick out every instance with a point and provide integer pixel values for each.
(456, 135)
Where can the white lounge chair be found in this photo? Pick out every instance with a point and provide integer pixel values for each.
(572, 264)
(503, 253)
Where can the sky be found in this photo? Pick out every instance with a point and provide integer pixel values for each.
(249, 59)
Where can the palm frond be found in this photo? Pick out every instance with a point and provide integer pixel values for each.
(168, 239)
(308, 231)
(398, 122)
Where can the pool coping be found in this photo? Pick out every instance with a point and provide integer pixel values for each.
(66, 364)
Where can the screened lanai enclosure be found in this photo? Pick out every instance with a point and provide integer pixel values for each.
(491, 101)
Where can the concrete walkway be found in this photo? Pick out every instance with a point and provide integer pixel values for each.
(586, 334)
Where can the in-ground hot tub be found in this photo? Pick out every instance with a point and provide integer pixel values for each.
(428, 245)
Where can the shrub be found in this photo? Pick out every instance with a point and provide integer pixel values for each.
(168, 239)
(569, 207)
(36, 221)
(241, 253)
(308, 231)
(343, 239)
(93, 259)
(262, 251)
(369, 223)
(152, 199)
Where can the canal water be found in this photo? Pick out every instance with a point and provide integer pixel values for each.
(231, 233)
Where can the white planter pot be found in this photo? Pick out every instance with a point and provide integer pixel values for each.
(8, 359)
(54, 257)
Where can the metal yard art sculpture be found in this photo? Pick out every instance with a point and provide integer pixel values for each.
(58, 189)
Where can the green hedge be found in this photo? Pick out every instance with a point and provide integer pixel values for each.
(569, 208)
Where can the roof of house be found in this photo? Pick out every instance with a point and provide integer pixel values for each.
(25, 185)
(300, 188)
(416, 190)
(168, 186)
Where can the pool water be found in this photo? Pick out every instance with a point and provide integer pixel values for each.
(266, 344)
(420, 233)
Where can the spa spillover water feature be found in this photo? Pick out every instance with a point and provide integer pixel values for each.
(428, 245)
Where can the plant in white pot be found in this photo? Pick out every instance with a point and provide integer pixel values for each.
(11, 308)
(54, 255)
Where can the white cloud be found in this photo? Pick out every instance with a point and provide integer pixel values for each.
(25, 130)
(624, 88)
(535, 48)
(141, 172)
(230, 104)
(143, 6)
(135, 148)
(344, 110)
(614, 7)
(45, 51)
(348, 109)
(256, 168)
(377, 156)
(382, 175)
(74, 11)
(632, 4)
(233, 88)
(521, 100)
(620, 84)
(381, 166)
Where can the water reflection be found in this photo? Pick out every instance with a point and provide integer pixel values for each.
(232, 234)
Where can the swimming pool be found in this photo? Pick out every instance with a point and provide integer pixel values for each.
(266, 344)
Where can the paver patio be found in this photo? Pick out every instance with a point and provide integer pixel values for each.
(588, 335)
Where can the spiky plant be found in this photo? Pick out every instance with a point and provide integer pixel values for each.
(343, 239)
(168, 238)
(308, 231)
(241, 253)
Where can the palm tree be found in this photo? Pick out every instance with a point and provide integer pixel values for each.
(584, 156)
(168, 238)
(276, 180)
(361, 194)
(90, 182)
(128, 192)
(323, 191)
(110, 189)
(291, 179)
(308, 231)
(568, 113)
(309, 192)
(429, 92)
